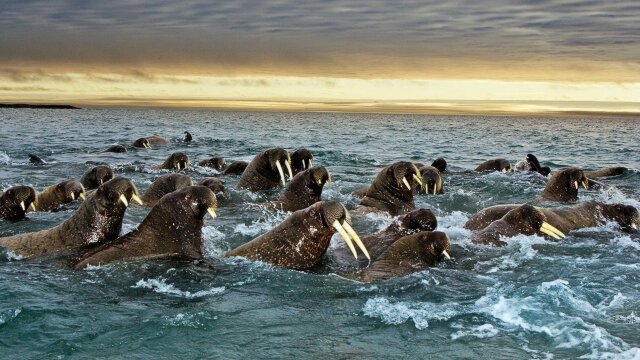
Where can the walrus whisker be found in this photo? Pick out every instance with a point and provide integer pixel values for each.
(406, 183)
(336, 225)
(123, 199)
(356, 239)
(280, 172)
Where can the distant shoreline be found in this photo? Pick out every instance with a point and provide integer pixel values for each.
(37, 106)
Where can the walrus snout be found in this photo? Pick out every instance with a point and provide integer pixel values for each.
(626, 216)
(277, 158)
(214, 184)
(437, 244)
(142, 143)
(431, 180)
(529, 221)
(96, 176)
(502, 165)
(406, 174)
(72, 190)
(336, 215)
(419, 220)
(201, 199)
(117, 192)
(563, 185)
(177, 161)
(217, 163)
(16, 200)
(301, 160)
(320, 176)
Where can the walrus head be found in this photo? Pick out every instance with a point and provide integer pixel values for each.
(304, 189)
(163, 185)
(277, 158)
(416, 221)
(266, 170)
(142, 143)
(70, 190)
(214, 184)
(440, 164)
(502, 165)
(96, 176)
(177, 161)
(626, 216)
(564, 184)
(187, 137)
(116, 148)
(431, 180)
(301, 159)
(15, 201)
(113, 197)
(392, 189)
(214, 163)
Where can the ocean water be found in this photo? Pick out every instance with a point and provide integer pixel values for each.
(579, 298)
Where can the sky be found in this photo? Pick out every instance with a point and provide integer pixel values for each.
(379, 56)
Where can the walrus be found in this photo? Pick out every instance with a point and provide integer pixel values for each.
(409, 254)
(563, 185)
(392, 189)
(440, 164)
(187, 137)
(96, 176)
(304, 190)
(15, 201)
(54, 196)
(495, 165)
(36, 160)
(265, 172)
(98, 219)
(173, 228)
(566, 219)
(116, 148)
(604, 172)
(142, 143)
(340, 257)
(301, 160)
(164, 185)
(531, 163)
(432, 183)
(214, 163)
(236, 168)
(525, 219)
(301, 240)
(214, 184)
(176, 161)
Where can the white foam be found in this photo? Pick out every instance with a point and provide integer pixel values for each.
(401, 312)
(8, 315)
(453, 225)
(160, 286)
(213, 242)
(4, 158)
(11, 256)
(261, 225)
(481, 332)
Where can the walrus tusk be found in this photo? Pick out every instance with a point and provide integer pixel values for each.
(137, 199)
(575, 185)
(356, 239)
(345, 237)
(280, 171)
(550, 230)
(426, 188)
(124, 200)
(504, 170)
(73, 196)
(446, 254)
(435, 187)
(406, 183)
(416, 169)
(310, 163)
(585, 184)
(287, 163)
(22, 206)
(212, 212)
(417, 179)
(33, 206)
(83, 196)
(634, 226)
(99, 181)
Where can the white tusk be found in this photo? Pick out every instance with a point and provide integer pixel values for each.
(435, 187)
(446, 254)
(137, 199)
(417, 179)
(550, 230)
(83, 196)
(310, 163)
(22, 206)
(504, 170)
(280, 171)
(287, 163)
(634, 226)
(575, 185)
(73, 196)
(406, 183)
(345, 237)
(99, 181)
(585, 184)
(212, 212)
(356, 239)
(304, 165)
(33, 206)
(124, 200)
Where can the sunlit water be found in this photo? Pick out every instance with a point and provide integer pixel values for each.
(534, 298)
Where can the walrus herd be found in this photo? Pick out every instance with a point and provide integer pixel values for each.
(173, 226)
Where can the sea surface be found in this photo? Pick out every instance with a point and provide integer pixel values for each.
(535, 298)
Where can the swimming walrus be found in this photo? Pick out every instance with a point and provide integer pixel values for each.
(604, 172)
(525, 219)
(54, 196)
(304, 190)
(116, 148)
(187, 137)
(96, 176)
(392, 189)
(173, 228)
(440, 164)
(98, 219)
(409, 254)
(236, 168)
(164, 185)
(432, 183)
(301, 159)
(147, 141)
(566, 219)
(217, 163)
(563, 185)
(340, 258)
(15, 201)
(142, 143)
(301, 240)
(531, 163)
(214, 184)
(36, 160)
(265, 171)
(176, 161)
(495, 165)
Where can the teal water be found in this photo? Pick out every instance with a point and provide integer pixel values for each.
(532, 299)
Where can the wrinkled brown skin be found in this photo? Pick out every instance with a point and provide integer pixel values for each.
(409, 254)
(97, 220)
(341, 259)
(216, 185)
(494, 165)
(54, 196)
(303, 191)
(116, 148)
(605, 172)
(300, 160)
(156, 140)
(388, 193)
(96, 176)
(236, 168)
(430, 177)
(173, 228)
(300, 241)
(560, 186)
(214, 163)
(261, 173)
(173, 160)
(524, 219)
(10, 208)
(164, 185)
